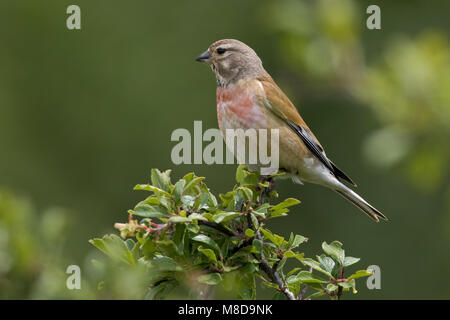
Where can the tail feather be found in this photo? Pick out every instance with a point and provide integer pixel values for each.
(341, 174)
(362, 204)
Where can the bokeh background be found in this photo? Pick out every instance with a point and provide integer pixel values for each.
(85, 114)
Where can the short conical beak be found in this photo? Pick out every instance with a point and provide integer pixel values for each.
(204, 57)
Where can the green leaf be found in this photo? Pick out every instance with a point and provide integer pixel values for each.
(350, 284)
(194, 228)
(316, 266)
(279, 213)
(178, 189)
(360, 274)
(208, 253)
(257, 245)
(279, 240)
(326, 263)
(335, 251)
(285, 204)
(160, 179)
(254, 221)
(210, 279)
(298, 240)
(245, 177)
(193, 183)
(281, 264)
(274, 238)
(148, 248)
(130, 244)
(188, 201)
(331, 288)
(165, 263)
(315, 295)
(148, 187)
(348, 261)
(309, 278)
(292, 254)
(225, 216)
(206, 240)
(114, 247)
(247, 193)
(247, 286)
(293, 271)
(271, 285)
(159, 291)
(145, 210)
(263, 208)
(293, 283)
(196, 216)
(259, 214)
(179, 219)
(249, 233)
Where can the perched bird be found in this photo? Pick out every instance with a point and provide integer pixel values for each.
(248, 98)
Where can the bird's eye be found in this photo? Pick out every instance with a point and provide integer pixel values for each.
(221, 50)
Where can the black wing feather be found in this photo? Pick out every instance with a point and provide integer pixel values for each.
(317, 150)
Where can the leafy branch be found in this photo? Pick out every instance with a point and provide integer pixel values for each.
(184, 237)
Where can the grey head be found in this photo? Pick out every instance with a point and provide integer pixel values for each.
(232, 60)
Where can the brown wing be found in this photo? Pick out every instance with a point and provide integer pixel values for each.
(280, 105)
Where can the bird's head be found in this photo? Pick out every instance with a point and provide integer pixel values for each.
(231, 60)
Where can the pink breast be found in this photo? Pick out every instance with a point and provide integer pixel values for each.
(237, 108)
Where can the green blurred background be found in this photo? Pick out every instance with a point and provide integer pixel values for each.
(85, 114)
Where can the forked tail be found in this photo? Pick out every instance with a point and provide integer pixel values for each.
(362, 204)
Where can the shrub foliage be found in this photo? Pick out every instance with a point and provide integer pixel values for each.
(183, 236)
